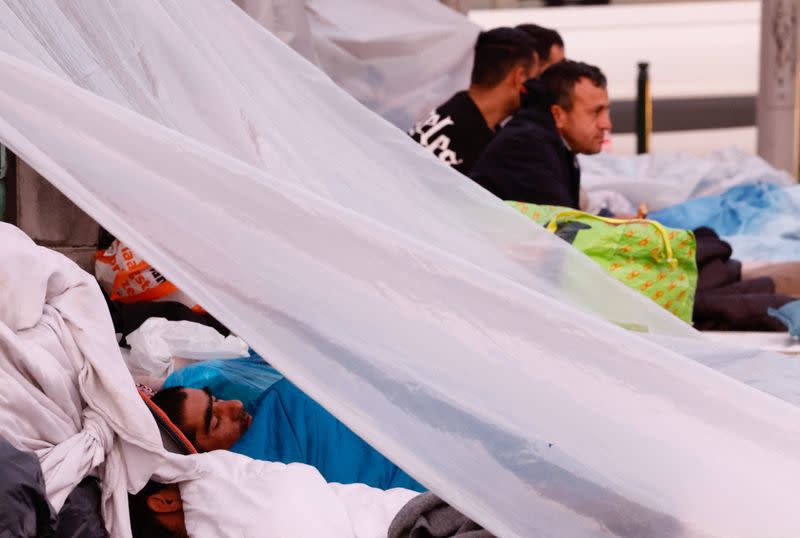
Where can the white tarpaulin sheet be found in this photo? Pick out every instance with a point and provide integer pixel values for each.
(400, 59)
(464, 342)
(665, 179)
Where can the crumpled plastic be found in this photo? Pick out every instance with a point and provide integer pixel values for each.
(232, 379)
(156, 344)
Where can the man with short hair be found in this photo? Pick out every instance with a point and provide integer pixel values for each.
(549, 45)
(532, 159)
(286, 426)
(459, 130)
(208, 423)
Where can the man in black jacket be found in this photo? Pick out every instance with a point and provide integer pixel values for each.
(459, 130)
(532, 159)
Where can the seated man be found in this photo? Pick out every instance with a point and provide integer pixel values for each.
(532, 160)
(459, 130)
(236, 496)
(286, 426)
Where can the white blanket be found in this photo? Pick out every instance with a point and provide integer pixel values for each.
(665, 179)
(230, 495)
(66, 393)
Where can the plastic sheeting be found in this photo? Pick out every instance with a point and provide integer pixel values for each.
(666, 179)
(400, 59)
(758, 220)
(464, 342)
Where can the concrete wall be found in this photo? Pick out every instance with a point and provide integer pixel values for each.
(51, 220)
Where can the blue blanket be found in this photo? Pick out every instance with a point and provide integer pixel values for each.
(289, 427)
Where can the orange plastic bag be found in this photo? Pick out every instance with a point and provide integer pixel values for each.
(129, 279)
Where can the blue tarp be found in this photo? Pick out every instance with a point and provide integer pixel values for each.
(229, 379)
(759, 220)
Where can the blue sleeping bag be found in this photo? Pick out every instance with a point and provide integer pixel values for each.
(290, 427)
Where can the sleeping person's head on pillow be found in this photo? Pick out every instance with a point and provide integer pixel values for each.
(287, 426)
(209, 423)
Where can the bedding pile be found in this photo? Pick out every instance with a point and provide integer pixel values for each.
(66, 394)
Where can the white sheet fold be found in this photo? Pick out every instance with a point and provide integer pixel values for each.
(66, 393)
(228, 495)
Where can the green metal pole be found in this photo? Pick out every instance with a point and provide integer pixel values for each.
(644, 110)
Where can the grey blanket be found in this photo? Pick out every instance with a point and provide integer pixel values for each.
(428, 516)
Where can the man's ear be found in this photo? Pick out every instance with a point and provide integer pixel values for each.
(520, 76)
(559, 116)
(164, 502)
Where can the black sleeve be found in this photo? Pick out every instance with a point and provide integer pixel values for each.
(515, 168)
(80, 516)
(24, 509)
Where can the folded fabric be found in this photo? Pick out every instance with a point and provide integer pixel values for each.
(789, 315)
(725, 302)
(228, 495)
(289, 427)
(428, 516)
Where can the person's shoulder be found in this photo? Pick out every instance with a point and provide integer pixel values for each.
(526, 129)
(457, 104)
(444, 116)
(458, 98)
(532, 120)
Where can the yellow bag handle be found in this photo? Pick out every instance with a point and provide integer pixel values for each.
(551, 227)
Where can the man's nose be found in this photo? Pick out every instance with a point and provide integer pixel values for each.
(605, 122)
(233, 407)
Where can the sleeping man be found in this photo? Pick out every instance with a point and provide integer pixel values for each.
(285, 426)
(234, 496)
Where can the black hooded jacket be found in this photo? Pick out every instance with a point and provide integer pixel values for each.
(527, 160)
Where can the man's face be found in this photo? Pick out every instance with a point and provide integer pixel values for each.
(585, 124)
(213, 424)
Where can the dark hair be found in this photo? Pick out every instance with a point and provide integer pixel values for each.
(560, 79)
(144, 522)
(544, 39)
(171, 402)
(497, 52)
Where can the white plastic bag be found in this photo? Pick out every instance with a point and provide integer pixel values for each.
(156, 344)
